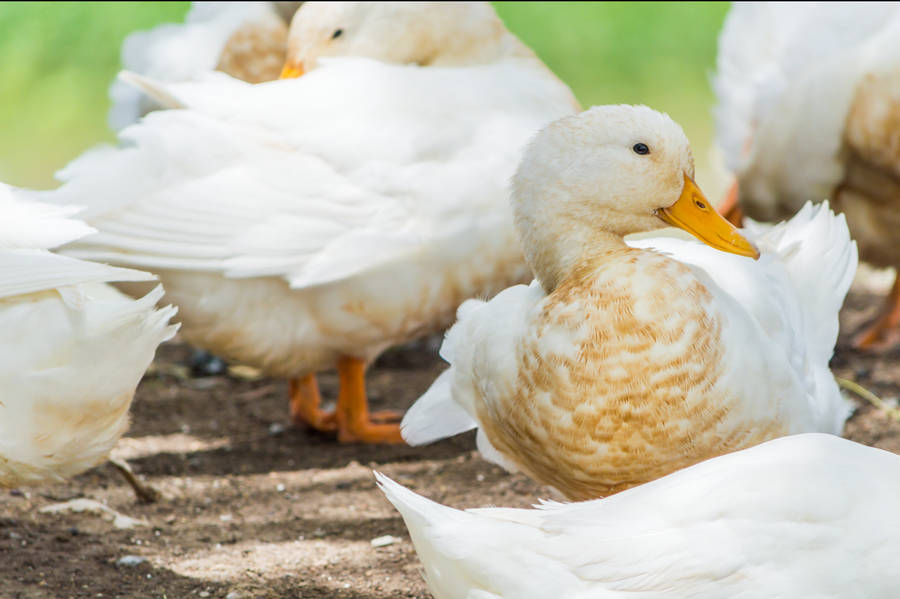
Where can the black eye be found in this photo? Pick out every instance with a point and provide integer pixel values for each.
(640, 149)
(337, 33)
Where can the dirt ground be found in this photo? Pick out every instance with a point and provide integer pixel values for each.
(255, 508)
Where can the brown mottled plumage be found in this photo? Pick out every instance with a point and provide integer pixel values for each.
(621, 364)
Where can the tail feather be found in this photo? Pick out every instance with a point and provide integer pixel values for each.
(821, 259)
(417, 511)
(435, 415)
(151, 87)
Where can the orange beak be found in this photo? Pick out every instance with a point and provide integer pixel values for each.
(694, 214)
(291, 71)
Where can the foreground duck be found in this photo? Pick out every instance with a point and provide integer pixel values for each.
(623, 361)
(310, 223)
(247, 40)
(803, 516)
(73, 351)
(809, 105)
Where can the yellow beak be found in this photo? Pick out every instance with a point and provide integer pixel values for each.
(693, 213)
(291, 71)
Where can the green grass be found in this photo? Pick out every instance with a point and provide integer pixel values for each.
(57, 59)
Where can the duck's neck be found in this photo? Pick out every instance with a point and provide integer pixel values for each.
(558, 257)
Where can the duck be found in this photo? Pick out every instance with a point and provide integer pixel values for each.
(798, 516)
(74, 348)
(625, 361)
(808, 101)
(247, 40)
(312, 222)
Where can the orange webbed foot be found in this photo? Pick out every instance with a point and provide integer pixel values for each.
(354, 421)
(305, 402)
(885, 331)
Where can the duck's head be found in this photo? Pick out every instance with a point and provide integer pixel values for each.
(423, 33)
(588, 180)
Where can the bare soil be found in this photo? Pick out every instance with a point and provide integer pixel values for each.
(256, 508)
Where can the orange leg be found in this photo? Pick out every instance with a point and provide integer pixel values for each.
(354, 421)
(878, 333)
(305, 410)
(730, 208)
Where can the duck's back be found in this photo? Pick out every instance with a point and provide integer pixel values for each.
(800, 516)
(790, 79)
(364, 200)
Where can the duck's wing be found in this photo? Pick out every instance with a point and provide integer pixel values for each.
(282, 180)
(182, 51)
(481, 350)
(795, 290)
(781, 312)
(36, 225)
(780, 519)
(27, 230)
(786, 76)
(784, 518)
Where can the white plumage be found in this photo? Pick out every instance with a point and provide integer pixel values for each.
(808, 106)
(183, 51)
(802, 516)
(787, 76)
(297, 222)
(74, 348)
(375, 219)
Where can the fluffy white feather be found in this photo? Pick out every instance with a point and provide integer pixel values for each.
(293, 185)
(800, 516)
(74, 348)
(786, 76)
(178, 52)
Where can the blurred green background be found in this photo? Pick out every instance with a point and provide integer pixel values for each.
(57, 60)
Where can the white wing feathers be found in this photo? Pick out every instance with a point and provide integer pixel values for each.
(788, 72)
(488, 333)
(179, 51)
(34, 225)
(779, 519)
(435, 415)
(816, 250)
(27, 230)
(263, 180)
(29, 271)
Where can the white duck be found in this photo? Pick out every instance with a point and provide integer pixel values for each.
(247, 40)
(315, 222)
(803, 516)
(621, 364)
(808, 109)
(74, 348)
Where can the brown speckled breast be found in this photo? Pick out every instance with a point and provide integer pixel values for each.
(636, 394)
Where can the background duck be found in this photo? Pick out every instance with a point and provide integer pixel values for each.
(808, 106)
(622, 363)
(304, 224)
(801, 516)
(74, 348)
(247, 40)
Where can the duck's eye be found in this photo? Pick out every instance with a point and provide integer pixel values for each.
(640, 148)
(337, 33)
